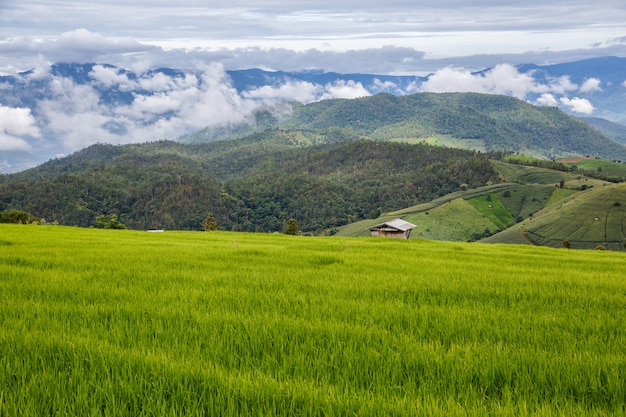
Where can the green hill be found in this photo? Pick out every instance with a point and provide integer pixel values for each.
(615, 131)
(588, 219)
(465, 120)
(520, 213)
(251, 184)
(459, 216)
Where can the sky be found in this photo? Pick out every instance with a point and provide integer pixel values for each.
(445, 38)
(382, 37)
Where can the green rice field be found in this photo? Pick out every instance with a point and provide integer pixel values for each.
(128, 323)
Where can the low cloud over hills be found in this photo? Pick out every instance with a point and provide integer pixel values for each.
(56, 110)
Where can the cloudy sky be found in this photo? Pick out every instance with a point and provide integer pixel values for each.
(446, 38)
(391, 36)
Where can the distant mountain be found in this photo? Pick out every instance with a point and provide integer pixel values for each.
(602, 81)
(465, 120)
(68, 106)
(612, 130)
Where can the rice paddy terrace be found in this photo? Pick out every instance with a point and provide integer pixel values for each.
(129, 323)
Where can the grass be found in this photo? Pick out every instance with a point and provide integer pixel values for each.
(466, 214)
(529, 174)
(453, 221)
(525, 200)
(492, 207)
(433, 141)
(602, 165)
(127, 323)
(595, 217)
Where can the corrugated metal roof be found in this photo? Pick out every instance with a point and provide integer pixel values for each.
(398, 224)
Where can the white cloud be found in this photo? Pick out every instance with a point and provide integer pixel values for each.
(301, 91)
(505, 79)
(578, 105)
(560, 85)
(396, 54)
(547, 99)
(448, 28)
(16, 126)
(344, 89)
(82, 45)
(215, 101)
(157, 82)
(18, 121)
(168, 107)
(306, 92)
(109, 77)
(13, 143)
(590, 85)
(502, 79)
(412, 87)
(163, 106)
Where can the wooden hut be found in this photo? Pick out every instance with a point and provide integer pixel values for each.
(396, 228)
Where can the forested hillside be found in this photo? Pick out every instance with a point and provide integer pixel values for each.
(326, 164)
(465, 120)
(251, 184)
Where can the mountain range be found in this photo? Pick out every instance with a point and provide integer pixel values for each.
(328, 164)
(53, 111)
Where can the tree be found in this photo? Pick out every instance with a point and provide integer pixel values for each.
(292, 227)
(209, 223)
(17, 216)
(567, 244)
(110, 221)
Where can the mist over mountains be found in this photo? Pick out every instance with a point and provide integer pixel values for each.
(53, 111)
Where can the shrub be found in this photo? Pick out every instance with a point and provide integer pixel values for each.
(17, 217)
(292, 227)
(209, 223)
(110, 221)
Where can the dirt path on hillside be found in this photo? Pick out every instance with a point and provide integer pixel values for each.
(526, 238)
(572, 160)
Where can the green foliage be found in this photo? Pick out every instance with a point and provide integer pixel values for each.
(17, 216)
(109, 221)
(209, 224)
(291, 227)
(174, 329)
(496, 122)
(251, 184)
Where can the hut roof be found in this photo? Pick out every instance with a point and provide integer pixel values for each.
(397, 224)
